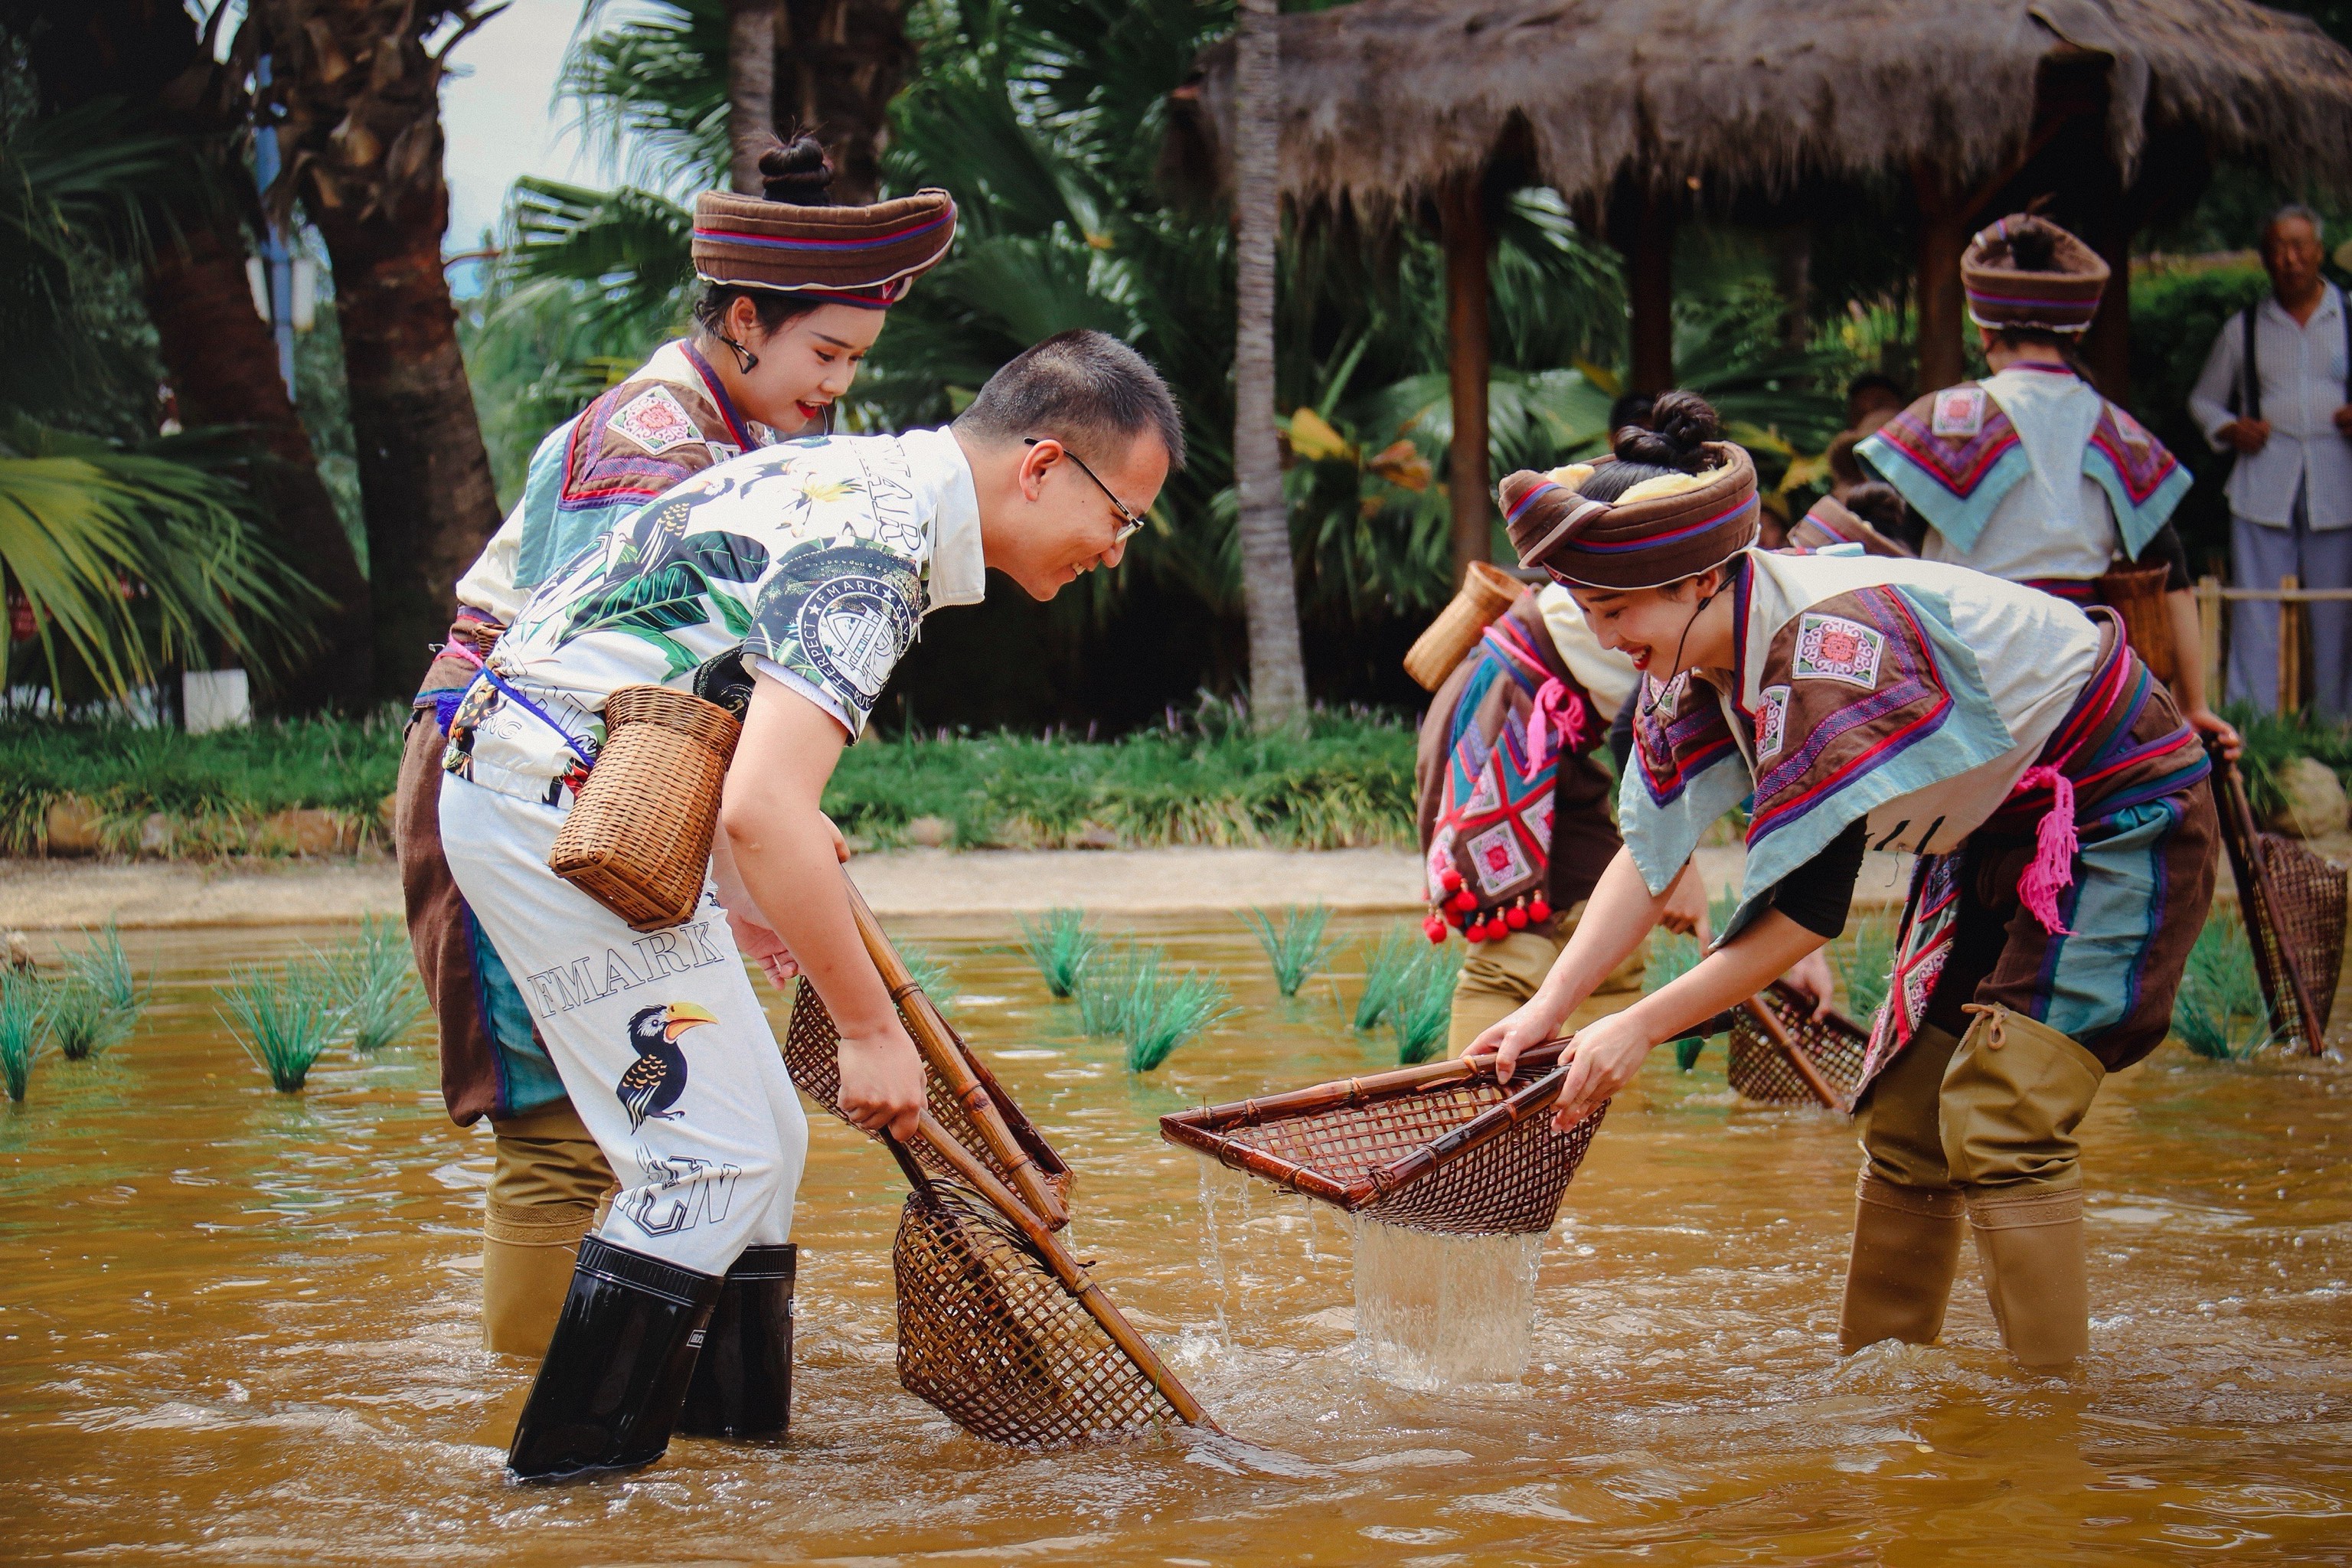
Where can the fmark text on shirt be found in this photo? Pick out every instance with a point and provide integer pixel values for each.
(596, 975)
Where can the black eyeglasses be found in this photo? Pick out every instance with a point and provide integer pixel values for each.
(1129, 522)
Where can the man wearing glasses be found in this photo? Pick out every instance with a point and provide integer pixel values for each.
(815, 562)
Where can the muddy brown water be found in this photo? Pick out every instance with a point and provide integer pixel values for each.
(238, 1326)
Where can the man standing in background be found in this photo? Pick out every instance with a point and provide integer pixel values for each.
(2273, 391)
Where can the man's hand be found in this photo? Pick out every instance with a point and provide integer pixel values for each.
(764, 948)
(882, 1082)
(1810, 974)
(1601, 1059)
(2343, 417)
(840, 845)
(2205, 721)
(2251, 436)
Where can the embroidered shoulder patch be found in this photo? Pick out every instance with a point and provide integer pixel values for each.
(1831, 647)
(1441, 861)
(1497, 858)
(2133, 433)
(656, 420)
(1771, 722)
(1958, 411)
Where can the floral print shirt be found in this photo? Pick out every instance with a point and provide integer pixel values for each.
(819, 557)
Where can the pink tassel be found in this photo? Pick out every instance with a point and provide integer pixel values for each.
(1555, 705)
(2054, 845)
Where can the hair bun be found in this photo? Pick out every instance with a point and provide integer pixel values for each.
(798, 173)
(2032, 247)
(1681, 426)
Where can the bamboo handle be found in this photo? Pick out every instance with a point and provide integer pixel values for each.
(1797, 1059)
(946, 1058)
(1069, 1270)
(1489, 1124)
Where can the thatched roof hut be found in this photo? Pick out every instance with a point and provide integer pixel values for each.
(1637, 109)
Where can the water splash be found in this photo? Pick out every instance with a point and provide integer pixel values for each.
(1212, 1245)
(1437, 1309)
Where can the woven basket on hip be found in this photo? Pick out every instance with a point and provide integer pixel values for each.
(1782, 1055)
(1484, 594)
(638, 838)
(2137, 594)
(1441, 1147)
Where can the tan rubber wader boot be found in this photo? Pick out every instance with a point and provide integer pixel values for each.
(2029, 1243)
(527, 1263)
(1906, 1248)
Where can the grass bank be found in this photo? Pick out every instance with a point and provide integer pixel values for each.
(295, 787)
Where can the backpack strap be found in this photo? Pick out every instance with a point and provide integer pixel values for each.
(2251, 370)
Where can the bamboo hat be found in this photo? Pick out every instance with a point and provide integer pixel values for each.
(2026, 271)
(1661, 531)
(867, 256)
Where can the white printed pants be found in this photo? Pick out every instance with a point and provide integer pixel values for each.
(659, 1038)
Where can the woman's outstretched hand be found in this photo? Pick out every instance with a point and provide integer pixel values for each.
(1601, 1060)
(1811, 975)
(1534, 1023)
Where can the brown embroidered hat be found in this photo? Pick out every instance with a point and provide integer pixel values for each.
(1831, 521)
(865, 255)
(1659, 532)
(2026, 271)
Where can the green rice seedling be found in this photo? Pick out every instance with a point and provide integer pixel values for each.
(1385, 969)
(1424, 1008)
(24, 1030)
(1294, 945)
(2219, 1012)
(103, 969)
(285, 1019)
(932, 973)
(1865, 965)
(1672, 956)
(376, 987)
(76, 1018)
(1165, 1009)
(1061, 945)
(1103, 988)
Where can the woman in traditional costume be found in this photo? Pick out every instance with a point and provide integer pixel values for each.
(2029, 474)
(795, 293)
(2056, 800)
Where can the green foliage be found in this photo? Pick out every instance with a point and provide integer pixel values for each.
(97, 1001)
(1387, 967)
(1865, 965)
(24, 1030)
(1424, 1008)
(2273, 740)
(2219, 1012)
(1141, 999)
(1348, 781)
(932, 973)
(1061, 945)
(376, 988)
(1295, 945)
(284, 1018)
(215, 785)
(1672, 956)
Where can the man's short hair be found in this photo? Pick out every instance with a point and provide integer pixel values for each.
(1083, 388)
(2295, 210)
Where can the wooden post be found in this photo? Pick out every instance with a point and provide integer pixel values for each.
(2290, 646)
(1650, 292)
(1943, 236)
(1462, 220)
(2209, 633)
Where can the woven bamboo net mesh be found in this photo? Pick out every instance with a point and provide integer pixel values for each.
(1760, 1071)
(2308, 894)
(989, 1336)
(813, 1057)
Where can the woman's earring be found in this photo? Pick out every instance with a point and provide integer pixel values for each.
(744, 358)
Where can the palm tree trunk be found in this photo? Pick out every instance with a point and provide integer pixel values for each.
(838, 65)
(358, 100)
(1269, 574)
(751, 88)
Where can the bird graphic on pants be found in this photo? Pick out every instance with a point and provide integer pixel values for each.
(652, 1083)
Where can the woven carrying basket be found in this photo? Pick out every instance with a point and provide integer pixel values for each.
(1767, 1040)
(1440, 1147)
(638, 838)
(2137, 594)
(813, 1057)
(1484, 594)
(2293, 902)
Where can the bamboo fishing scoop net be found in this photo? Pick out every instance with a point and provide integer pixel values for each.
(2293, 902)
(965, 1098)
(1442, 1147)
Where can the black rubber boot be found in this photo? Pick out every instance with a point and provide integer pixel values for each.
(609, 1391)
(742, 1383)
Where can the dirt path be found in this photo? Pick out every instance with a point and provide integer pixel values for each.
(37, 894)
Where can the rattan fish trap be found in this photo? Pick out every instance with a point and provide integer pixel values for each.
(812, 1056)
(1441, 1147)
(2293, 902)
(637, 838)
(1782, 1055)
